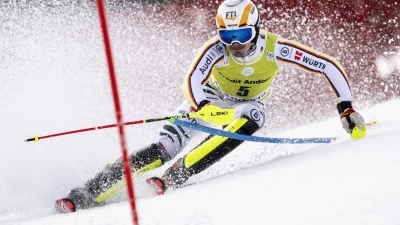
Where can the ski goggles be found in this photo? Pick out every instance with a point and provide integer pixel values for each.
(242, 35)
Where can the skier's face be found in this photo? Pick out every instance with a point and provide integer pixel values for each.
(237, 49)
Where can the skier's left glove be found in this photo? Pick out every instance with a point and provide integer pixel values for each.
(351, 120)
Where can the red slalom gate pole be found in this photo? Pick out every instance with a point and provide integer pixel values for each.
(125, 158)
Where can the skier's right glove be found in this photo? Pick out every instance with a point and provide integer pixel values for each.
(220, 103)
(218, 112)
(351, 120)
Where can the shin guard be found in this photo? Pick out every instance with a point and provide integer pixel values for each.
(112, 178)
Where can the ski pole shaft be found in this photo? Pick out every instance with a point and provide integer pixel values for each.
(36, 138)
(245, 137)
(210, 114)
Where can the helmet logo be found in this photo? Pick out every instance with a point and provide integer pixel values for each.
(252, 9)
(248, 71)
(231, 15)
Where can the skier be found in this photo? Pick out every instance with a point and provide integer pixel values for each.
(234, 69)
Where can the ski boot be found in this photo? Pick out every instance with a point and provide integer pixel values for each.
(174, 177)
(78, 198)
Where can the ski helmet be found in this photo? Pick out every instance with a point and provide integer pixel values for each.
(237, 21)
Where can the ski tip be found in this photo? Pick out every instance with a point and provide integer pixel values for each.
(157, 185)
(65, 205)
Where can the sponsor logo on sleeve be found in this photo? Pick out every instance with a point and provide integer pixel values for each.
(314, 63)
(219, 48)
(206, 62)
(284, 51)
(298, 55)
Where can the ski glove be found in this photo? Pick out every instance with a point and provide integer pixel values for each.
(218, 112)
(351, 120)
(202, 104)
(220, 103)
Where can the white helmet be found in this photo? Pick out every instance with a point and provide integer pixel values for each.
(234, 16)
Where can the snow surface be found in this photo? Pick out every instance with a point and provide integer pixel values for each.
(54, 79)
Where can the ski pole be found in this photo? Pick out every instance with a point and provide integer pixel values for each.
(208, 114)
(245, 137)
